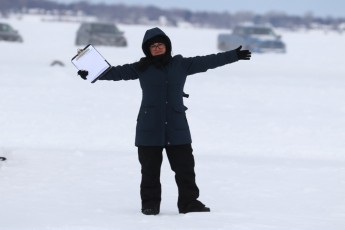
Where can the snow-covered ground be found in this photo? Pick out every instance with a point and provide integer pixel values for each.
(268, 136)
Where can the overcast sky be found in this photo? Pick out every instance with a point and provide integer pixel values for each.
(324, 8)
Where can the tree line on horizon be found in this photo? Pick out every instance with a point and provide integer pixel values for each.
(125, 14)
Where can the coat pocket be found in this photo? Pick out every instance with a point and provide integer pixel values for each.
(179, 118)
(146, 118)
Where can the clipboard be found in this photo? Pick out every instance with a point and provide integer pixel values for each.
(91, 60)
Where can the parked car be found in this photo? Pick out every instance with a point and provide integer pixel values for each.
(97, 33)
(7, 33)
(259, 39)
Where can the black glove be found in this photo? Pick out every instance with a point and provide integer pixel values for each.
(243, 54)
(83, 73)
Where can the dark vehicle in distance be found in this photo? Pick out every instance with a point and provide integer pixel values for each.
(98, 33)
(7, 33)
(258, 39)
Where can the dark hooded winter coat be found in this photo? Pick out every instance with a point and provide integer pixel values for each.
(162, 116)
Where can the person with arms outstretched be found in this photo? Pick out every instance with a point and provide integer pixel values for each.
(162, 122)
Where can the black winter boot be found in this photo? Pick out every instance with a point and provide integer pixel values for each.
(150, 211)
(195, 206)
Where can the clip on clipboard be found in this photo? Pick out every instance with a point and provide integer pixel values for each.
(91, 60)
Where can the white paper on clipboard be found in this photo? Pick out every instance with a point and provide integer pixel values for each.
(91, 60)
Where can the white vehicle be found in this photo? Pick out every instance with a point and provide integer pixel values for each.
(259, 39)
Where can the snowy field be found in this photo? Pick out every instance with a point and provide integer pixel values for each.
(268, 136)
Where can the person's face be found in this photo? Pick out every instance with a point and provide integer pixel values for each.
(157, 49)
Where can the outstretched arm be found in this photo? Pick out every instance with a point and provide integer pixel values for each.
(116, 73)
(203, 63)
(121, 72)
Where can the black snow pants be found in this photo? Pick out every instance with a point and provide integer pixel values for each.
(181, 161)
